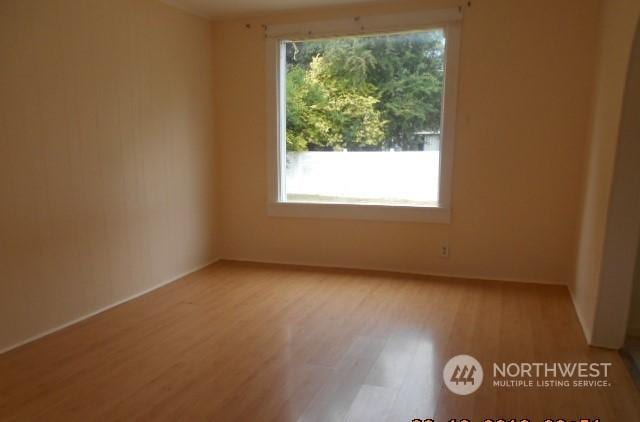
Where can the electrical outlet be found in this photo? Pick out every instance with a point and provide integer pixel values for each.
(444, 250)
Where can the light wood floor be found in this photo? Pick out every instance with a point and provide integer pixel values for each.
(248, 342)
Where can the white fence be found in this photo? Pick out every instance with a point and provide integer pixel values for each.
(381, 176)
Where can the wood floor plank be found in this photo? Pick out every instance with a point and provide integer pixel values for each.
(240, 341)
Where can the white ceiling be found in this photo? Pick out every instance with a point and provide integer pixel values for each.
(227, 8)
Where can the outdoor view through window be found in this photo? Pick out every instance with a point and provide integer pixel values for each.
(363, 119)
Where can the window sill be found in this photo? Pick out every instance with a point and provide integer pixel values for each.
(438, 215)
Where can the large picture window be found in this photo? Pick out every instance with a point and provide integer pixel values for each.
(364, 123)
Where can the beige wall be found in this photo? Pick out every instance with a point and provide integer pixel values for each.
(524, 99)
(623, 219)
(106, 139)
(616, 31)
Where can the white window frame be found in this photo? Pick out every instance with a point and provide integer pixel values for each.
(449, 21)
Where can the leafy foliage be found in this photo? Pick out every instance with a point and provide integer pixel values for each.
(367, 93)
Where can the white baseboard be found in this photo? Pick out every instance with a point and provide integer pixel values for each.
(262, 261)
(392, 270)
(106, 308)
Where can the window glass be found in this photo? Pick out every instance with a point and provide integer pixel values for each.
(363, 119)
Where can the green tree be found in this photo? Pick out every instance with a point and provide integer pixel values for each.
(364, 93)
(330, 105)
(409, 74)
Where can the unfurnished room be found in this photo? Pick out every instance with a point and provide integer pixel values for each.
(320, 210)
